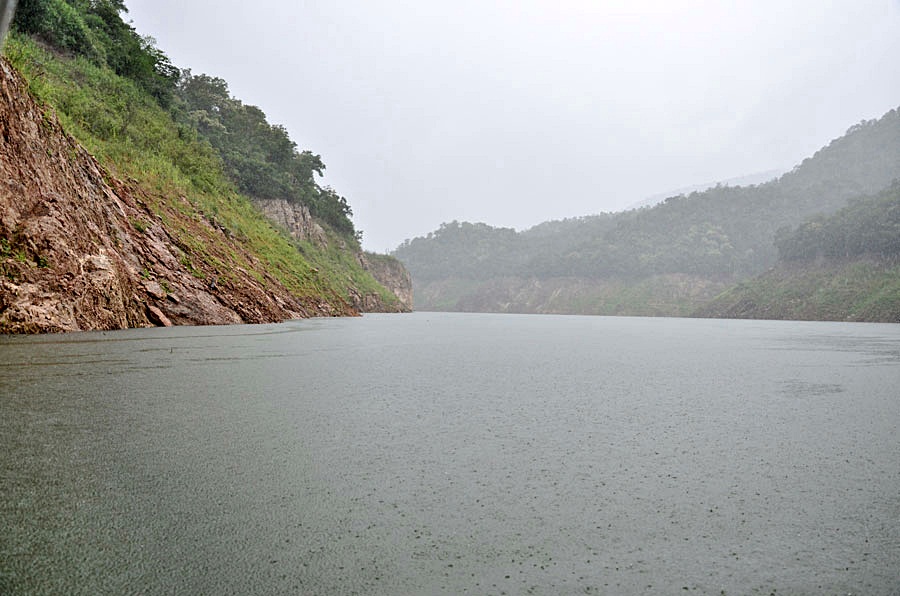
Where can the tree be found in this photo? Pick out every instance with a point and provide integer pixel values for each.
(95, 29)
(259, 157)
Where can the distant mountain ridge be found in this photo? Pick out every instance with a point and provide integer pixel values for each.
(746, 180)
(668, 259)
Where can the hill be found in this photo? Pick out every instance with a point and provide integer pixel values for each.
(845, 267)
(117, 211)
(746, 180)
(668, 259)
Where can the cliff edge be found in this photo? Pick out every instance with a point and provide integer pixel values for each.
(297, 222)
(81, 249)
(393, 275)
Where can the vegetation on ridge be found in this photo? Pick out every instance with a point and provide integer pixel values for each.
(95, 30)
(718, 236)
(121, 98)
(724, 231)
(842, 267)
(867, 226)
(259, 157)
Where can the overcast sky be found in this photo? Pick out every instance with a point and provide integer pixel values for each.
(516, 112)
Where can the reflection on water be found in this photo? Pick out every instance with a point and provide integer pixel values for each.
(432, 453)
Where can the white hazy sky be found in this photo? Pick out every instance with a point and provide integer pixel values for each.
(516, 112)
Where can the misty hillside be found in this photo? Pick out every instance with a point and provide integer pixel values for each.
(746, 180)
(842, 267)
(706, 239)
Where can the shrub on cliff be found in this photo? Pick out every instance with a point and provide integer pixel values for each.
(259, 157)
(184, 181)
(95, 29)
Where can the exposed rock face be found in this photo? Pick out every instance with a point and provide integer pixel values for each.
(388, 271)
(392, 274)
(82, 250)
(294, 218)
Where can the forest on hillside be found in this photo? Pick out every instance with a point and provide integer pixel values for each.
(196, 162)
(724, 232)
(260, 158)
(868, 226)
(843, 267)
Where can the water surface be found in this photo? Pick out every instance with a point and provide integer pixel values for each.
(453, 453)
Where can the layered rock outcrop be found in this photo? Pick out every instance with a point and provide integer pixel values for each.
(392, 274)
(297, 221)
(80, 249)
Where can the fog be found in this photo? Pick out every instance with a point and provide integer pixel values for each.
(512, 113)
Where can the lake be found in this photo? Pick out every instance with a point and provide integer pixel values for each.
(440, 453)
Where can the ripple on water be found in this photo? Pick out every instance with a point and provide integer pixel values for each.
(461, 454)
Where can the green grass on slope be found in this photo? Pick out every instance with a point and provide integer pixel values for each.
(136, 139)
(858, 290)
(340, 265)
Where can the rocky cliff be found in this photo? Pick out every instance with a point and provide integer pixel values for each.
(296, 220)
(392, 274)
(80, 249)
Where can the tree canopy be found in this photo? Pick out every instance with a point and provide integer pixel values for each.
(867, 226)
(260, 157)
(96, 30)
(723, 232)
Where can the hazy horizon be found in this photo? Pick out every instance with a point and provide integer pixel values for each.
(515, 113)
